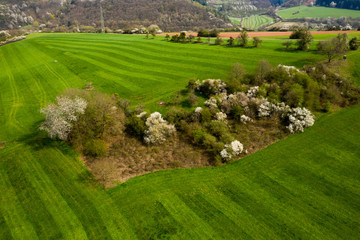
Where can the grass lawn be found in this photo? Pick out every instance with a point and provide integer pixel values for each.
(317, 12)
(303, 187)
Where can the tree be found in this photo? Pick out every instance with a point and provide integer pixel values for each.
(182, 37)
(287, 44)
(236, 76)
(191, 37)
(353, 44)
(167, 37)
(305, 39)
(231, 41)
(334, 47)
(256, 41)
(158, 129)
(59, 117)
(262, 69)
(243, 38)
(218, 40)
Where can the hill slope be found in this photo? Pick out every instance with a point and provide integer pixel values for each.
(171, 15)
(305, 186)
(317, 12)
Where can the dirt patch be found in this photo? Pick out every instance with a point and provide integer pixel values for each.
(266, 34)
(2, 144)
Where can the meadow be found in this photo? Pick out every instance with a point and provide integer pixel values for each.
(305, 186)
(256, 21)
(317, 12)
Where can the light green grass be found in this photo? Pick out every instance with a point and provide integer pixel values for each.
(256, 21)
(304, 187)
(317, 12)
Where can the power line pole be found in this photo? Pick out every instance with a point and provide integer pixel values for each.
(102, 19)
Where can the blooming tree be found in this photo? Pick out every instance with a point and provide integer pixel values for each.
(252, 92)
(60, 116)
(300, 118)
(158, 129)
(232, 150)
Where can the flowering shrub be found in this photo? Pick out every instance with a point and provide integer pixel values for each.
(142, 114)
(60, 116)
(221, 116)
(211, 86)
(211, 102)
(198, 110)
(299, 118)
(245, 119)
(252, 92)
(238, 99)
(289, 69)
(265, 109)
(232, 150)
(158, 129)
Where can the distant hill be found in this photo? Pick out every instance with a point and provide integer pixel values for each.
(171, 15)
(348, 4)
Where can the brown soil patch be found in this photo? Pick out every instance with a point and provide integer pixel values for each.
(2, 144)
(266, 34)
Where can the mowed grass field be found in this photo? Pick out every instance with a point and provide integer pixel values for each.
(304, 187)
(317, 12)
(256, 21)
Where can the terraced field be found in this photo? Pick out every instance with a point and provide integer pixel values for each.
(305, 186)
(256, 21)
(317, 12)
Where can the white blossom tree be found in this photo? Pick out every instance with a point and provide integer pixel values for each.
(158, 129)
(232, 150)
(60, 116)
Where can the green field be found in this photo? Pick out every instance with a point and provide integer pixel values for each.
(317, 12)
(303, 187)
(256, 21)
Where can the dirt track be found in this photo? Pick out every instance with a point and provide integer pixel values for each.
(265, 34)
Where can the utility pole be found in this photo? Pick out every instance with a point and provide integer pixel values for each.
(102, 19)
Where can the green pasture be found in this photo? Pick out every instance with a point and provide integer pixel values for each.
(317, 12)
(256, 21)
(303, 187)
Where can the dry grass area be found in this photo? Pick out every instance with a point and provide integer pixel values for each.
(129, 157)
(2, 144)
(260, 134)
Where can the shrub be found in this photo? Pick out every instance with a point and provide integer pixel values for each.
(243, 39)
(231, 150)
(218, 40)
(192, 99)
(205, 115)
(158, 129)
(217, 128)
(135, 125)
(231, 41)
(295, 95)
(353, 44)
(256, 41)
(299, 119)
(95, 148)
(236, 77)
(175, 115)
(287, 44)
(263, 68)
(102, 118)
